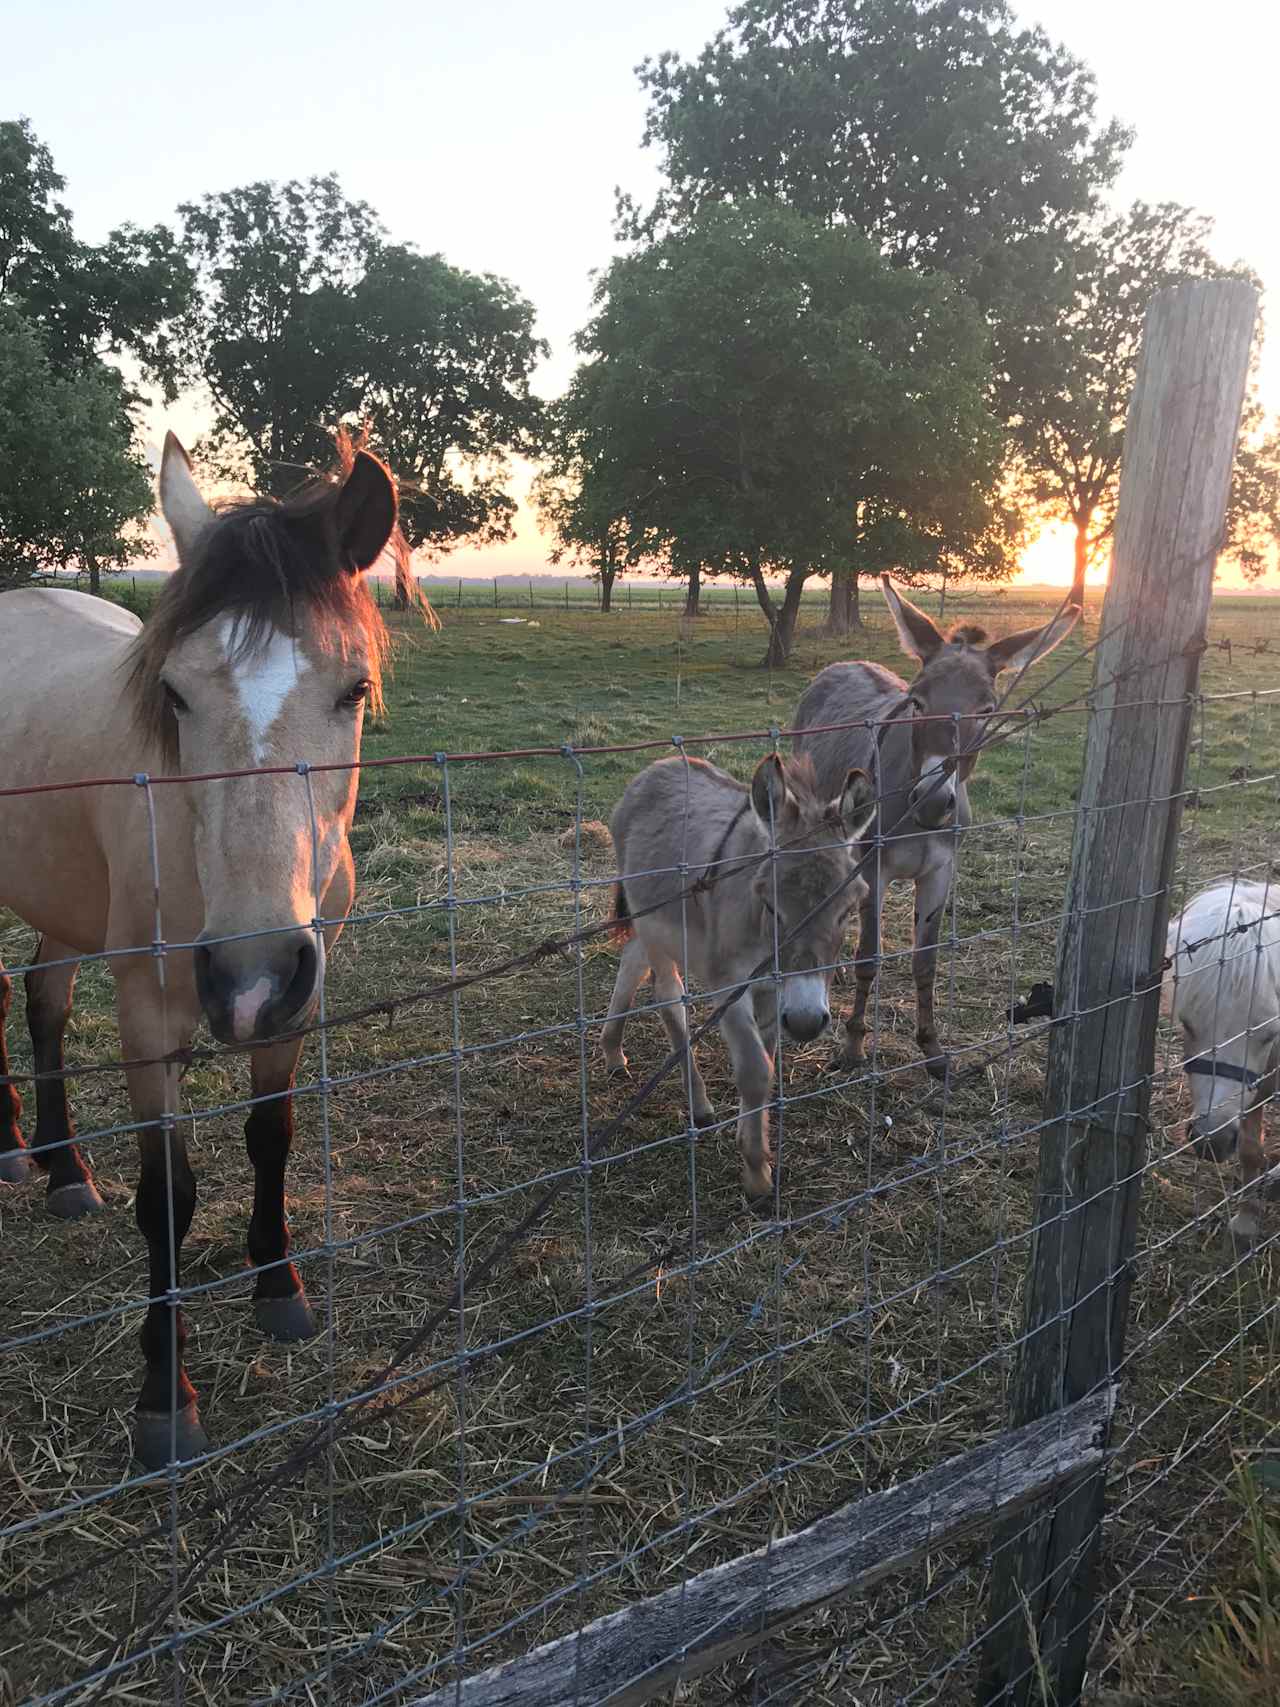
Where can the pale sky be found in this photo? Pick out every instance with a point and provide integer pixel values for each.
(495, 132)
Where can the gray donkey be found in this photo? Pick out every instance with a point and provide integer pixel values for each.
(687, 814)
(920, 742)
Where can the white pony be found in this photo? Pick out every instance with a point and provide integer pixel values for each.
(1223, 989)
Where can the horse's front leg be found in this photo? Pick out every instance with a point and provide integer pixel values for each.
(865, 970)
(279, 1302)
(932, 888)
(71, 1192)
(166, 1421)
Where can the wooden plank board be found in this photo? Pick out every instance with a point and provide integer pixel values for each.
(630, 1656)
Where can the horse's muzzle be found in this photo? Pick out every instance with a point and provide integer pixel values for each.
(257, 987)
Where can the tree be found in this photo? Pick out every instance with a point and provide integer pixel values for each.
(73, 490)
(570, 498)
(954, 140)
(762, 395)
(1253, 513)
(270, 328)
(73, 487)
(306, 317)
(85, 302)
(442, 364)
(1082, 354)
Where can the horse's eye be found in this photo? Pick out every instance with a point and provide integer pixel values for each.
(174, 699)
(355, 695)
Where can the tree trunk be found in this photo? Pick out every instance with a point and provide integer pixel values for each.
(607, 578)
(843, 614)
(1082, 560)
(693, 598)
(95, 575)
(782, 631)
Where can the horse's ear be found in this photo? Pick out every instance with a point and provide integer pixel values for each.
(180, 501)
(1017, 651)
(770, 795)
(919, 634)
(856, 806)
(365, 513)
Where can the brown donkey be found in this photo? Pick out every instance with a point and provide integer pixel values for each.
(263, 650)
(920, 741)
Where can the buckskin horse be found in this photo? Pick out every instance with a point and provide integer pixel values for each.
(263, 650)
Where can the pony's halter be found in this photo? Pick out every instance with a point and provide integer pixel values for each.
(1211, 1069)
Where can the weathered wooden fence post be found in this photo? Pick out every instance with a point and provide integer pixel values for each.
(1183, 422)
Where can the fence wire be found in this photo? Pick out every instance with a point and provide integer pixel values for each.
(560, 1367)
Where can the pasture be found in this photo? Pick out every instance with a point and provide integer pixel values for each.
(726, 1378)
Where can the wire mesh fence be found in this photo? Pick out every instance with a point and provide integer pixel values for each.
(561, 1368)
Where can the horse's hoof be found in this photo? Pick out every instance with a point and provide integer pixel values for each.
(287, 1319)
(161, 1438)
(16, 1166)
(70, 1202)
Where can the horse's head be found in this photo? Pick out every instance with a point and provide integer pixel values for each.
(262, 652)
(812, 889)
(954, 693)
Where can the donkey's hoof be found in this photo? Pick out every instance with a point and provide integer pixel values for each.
(160, 1438)
(618, 1069)
(70, 1202)
(704, 1116)
(287, 1319)
(15, 1166)
(936, 1066)
(764, 1204)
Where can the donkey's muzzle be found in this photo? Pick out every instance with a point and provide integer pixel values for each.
(806, 1024)
(257, 987)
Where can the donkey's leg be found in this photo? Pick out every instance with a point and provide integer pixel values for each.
(753, 1075)
(631, 972)
(932, 889)
(166, 1420)
(1246, 1223)
(868, 964)
(668, 988)
(71, 1191)
(279, 1302)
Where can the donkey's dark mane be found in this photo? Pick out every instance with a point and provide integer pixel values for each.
(264, 562)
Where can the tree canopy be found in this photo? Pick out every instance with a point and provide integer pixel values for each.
(73, 485)
(305, 316)
(1069, 432)
(764, 395)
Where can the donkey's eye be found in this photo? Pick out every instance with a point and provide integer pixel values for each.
(355, 695)
(174, 700)
(917, 705)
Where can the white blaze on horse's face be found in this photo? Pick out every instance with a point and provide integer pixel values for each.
(267, 846)
(278, 690)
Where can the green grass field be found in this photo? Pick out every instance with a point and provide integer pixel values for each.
(870, 1336)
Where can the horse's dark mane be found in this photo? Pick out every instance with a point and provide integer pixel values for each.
(263, 562)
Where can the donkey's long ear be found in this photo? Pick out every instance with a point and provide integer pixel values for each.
(1016, 651)
(366, 513)
(770, 795)
(856, 806)
(180, 501)
(918, 633)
